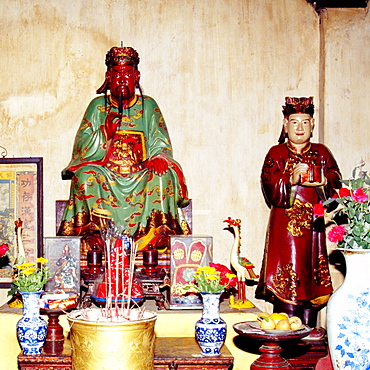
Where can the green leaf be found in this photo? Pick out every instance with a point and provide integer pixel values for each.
(329, 201)
(351, 212)
(358, 230)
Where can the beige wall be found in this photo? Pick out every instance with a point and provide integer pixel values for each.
(346, 85)
(219, 70)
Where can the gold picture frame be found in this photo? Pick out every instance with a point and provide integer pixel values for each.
(21, 197)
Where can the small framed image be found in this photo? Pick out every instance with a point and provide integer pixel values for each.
(21, 198)
(188, 252)
(63, 255)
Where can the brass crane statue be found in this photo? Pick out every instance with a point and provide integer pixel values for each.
(242, 266)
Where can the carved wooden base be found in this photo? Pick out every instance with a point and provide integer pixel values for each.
(184, 353)
(170, 354)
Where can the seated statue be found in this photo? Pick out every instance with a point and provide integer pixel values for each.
(122, 167)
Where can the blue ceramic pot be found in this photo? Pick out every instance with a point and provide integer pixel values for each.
(31, 328)
(210, 330)
(348, 314)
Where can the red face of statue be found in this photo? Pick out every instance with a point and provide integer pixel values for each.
(299, 127)
(123, 80)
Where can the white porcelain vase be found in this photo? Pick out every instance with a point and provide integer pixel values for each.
(348, 315)
(210, 330)
(31, 328)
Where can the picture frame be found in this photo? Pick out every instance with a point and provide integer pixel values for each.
(21, 198)
(63, 255)
(188, 252)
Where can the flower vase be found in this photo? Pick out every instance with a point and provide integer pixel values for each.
(210, 330)
(31, 328)
(348, 312)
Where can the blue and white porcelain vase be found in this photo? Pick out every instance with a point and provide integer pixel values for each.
(348, 315)
(31, 328)
(210, 330)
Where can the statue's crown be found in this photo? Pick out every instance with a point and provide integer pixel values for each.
(298, 105)
(124, 55)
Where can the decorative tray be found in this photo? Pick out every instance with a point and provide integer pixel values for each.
(253, 328)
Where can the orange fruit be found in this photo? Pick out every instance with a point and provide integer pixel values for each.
(277, 317)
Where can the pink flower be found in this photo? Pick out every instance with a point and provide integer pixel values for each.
(318, 210)
(3, 249)
(360, 196)
(336, 234)
(344, 192)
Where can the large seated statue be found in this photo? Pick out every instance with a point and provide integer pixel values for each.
(122, 167)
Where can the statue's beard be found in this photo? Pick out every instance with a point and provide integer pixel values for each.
(122, 92)
(120, 104)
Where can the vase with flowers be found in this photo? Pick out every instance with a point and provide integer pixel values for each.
(348, 309)
(29, 280)
(210, 281)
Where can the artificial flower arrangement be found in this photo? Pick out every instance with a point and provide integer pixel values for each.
(4, 256)
(4, 249)
(214, 278)
(354, 204)
(28, 277)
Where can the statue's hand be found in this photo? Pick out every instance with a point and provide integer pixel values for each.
(299, 170)
(112, 121)
(157, 165)
(315, 184)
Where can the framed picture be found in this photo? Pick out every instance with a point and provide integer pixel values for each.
(63, 255)
(188, 252)
(21, 198)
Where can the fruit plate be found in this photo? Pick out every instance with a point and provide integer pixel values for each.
(254, 326)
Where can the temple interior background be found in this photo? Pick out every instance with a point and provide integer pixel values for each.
(219, 70)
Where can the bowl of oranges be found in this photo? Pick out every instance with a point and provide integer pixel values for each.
(278, 322)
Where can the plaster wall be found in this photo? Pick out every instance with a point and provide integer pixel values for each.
(218, 69)
(346, 81)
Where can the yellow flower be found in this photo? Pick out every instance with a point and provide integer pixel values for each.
(24, 265)
(230, 276)
(28, 277)
(42, 260)
(206, 270)
(28, 271)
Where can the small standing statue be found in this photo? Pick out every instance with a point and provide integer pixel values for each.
(66, 275)
(242, 266)
(296, 176)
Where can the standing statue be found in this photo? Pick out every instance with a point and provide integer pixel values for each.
(122, 168)
(296, 176)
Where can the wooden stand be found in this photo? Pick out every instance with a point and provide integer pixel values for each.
(306, 353)
(54, 339)
(152, 286)
(45, 361)
(169, 354)
(272, 343)
(270, 357)
(184, 353)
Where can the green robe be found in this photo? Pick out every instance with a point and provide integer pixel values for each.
(109, 176)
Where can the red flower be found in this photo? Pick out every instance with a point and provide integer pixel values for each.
(3, 249)
(360, 196)
(318, 210)
(221, 268)
(227, 277)
(344, 192)
(336, 234)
